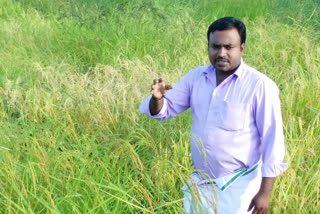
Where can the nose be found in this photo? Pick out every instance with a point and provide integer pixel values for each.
(221, 52)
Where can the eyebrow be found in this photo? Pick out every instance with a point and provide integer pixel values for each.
(216, 44)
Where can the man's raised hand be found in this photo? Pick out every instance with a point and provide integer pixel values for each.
(159, 88)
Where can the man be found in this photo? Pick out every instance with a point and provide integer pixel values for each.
(236, 138)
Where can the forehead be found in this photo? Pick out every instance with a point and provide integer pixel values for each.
(230, 36)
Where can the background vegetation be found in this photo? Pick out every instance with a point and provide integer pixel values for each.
(73, 73)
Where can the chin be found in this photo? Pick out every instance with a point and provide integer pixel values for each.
(224, 68)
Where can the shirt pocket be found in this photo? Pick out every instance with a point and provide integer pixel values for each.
(232, 116)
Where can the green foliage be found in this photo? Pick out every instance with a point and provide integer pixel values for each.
(72, 75)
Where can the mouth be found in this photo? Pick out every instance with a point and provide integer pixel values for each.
(221, 61)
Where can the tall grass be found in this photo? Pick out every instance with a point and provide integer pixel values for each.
(74, 72)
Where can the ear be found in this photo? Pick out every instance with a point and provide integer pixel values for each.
(242, 46)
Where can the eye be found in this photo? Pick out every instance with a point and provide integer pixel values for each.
(228, 47)
(215, 46)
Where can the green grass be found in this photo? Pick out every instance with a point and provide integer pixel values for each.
(73, 73)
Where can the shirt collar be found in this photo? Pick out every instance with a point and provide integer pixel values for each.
(239, 71)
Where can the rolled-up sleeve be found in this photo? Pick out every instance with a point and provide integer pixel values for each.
(145, 109)
(270, 127)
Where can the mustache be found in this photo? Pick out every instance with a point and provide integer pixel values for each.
(222, 59)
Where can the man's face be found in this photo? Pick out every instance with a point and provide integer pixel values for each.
(225, 49)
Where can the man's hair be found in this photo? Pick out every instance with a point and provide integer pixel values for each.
(227, 23)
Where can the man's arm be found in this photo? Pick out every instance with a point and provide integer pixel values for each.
(261, 200)
(158, 89)
(269, 124)
(167, 101)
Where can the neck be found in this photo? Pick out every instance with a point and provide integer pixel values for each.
(222, 75)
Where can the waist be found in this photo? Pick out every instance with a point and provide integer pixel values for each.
(220, 157)
(226, 181)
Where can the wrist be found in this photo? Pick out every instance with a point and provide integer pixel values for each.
(265, 193)
(266, 185)
(157, 99)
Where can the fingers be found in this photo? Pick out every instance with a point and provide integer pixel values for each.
(259, 211)
(160, 80)
(250, 206)
(159, 88)
(160, 83)
(156, 85)
(168, 87)
(256, 209)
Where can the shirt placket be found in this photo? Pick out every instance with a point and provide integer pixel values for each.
(214, 116)
(213, 111)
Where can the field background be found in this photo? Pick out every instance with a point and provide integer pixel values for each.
(73, 73)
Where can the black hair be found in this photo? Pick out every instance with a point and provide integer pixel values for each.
(227, 23)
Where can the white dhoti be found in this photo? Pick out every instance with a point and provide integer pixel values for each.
(234, 199)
